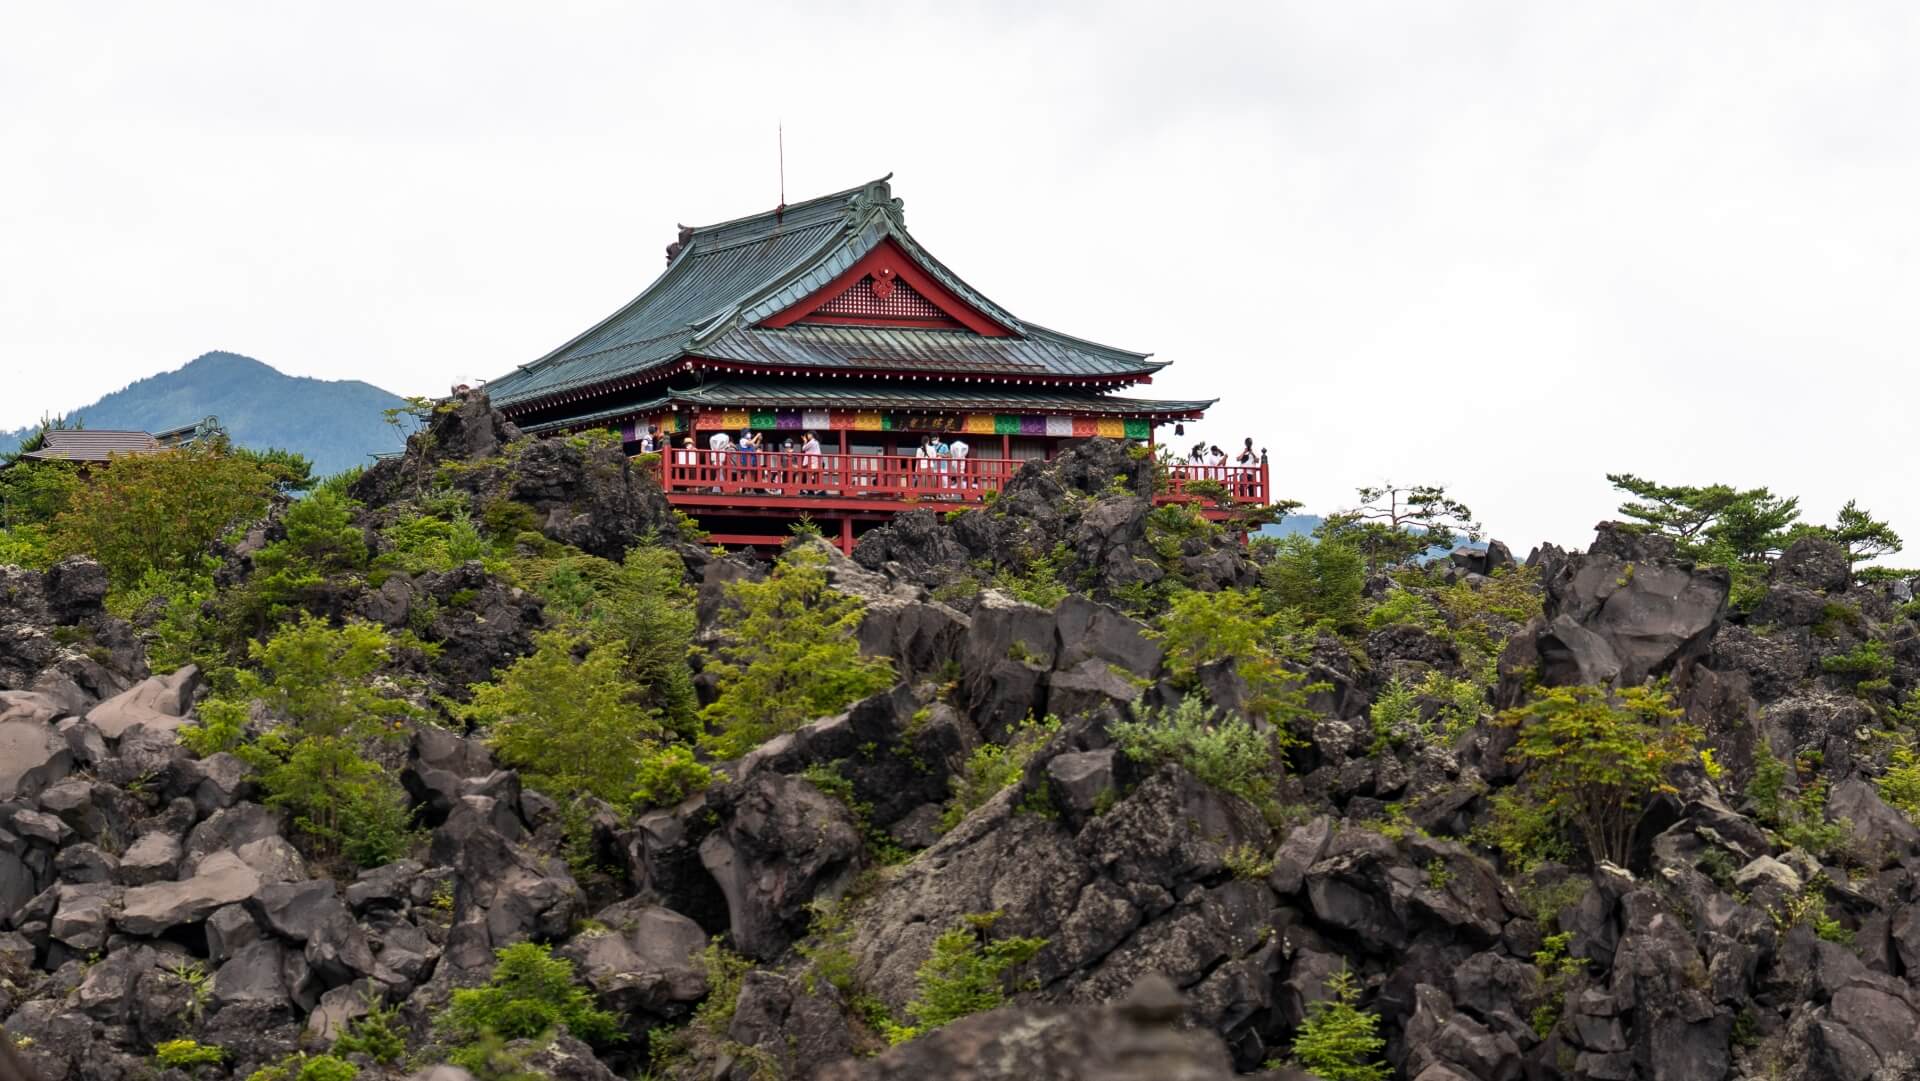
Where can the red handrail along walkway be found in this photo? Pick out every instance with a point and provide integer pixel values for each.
(781, 480)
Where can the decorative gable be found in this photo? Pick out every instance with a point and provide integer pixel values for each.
(887, 288)
(881, 296)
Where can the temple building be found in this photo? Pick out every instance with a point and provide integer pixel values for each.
(826, 318)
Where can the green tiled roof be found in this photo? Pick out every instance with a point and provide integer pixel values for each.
(747, 394)
(729, 277)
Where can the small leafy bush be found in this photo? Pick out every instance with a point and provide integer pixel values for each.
(530, 993)
(1404, 606)
(668, 775)
(332, 687)
(1867, 664)
(161, 511)
(1338, 1040)
(375, 1034)
(992, 767)
(1039, 582)
(568, 722)
(1900, 785)
(305, 1067)
(1225, 752)
(1396, 715)
(1199, 629)
(186, 1054)
(963, 974)
(1322, 580)
(790, 655)
(1799, 817)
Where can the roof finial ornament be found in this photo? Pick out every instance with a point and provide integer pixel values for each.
(679, 245)
(879, 196)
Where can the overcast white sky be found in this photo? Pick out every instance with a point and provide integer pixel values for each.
(1504, 246)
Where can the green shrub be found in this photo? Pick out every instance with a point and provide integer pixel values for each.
(186, 1054)
(1199, 629)
(993, 767)
(1867, 664)
(529, 994)
(375, 1034)
(304, 1067)
(668, 775)
(1593, 758)
(789, 655)
(422, 542)
(161, 511)
(26, 545)
(1900, 785)
(182, 634)
(1338, 1039)
(343, 802)
(568, 724)
(33, 492)
(1404, 606)
(1039, 582)
(726, 974)
(332, 687)
(643, 605)
(329, 681)
(1798, 816)
(1396, 716)
(1809, 907)
(1225, 752)
(1322, 580)
(321, 540)
(1525, 831)
(963, 975)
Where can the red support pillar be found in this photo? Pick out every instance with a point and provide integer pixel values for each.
(846, 535)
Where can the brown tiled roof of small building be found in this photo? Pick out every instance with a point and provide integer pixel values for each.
(92, 445)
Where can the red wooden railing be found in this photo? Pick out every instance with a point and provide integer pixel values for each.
(890, 478)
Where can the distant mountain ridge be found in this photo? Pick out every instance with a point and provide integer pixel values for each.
(335, 423)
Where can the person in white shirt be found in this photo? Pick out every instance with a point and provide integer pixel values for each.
(718, 445)
(923, 462)
(959, 450)
(810, 461)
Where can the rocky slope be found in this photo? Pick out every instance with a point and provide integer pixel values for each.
(147, 894)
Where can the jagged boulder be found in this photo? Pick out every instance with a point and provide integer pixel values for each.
(159, 703)
(642, 960)
(1625, 610)
(781, 844)
(222, 878)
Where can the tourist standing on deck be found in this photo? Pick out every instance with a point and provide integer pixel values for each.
(959, 451)
(810, 462)
(923, 462)
(717, 448)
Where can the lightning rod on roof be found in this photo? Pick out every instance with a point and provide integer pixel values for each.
(780, 140)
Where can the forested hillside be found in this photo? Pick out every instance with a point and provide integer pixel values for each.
(336, 424)
(481, 763)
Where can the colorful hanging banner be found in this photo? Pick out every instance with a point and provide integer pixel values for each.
(1111, 427)
(816, 420)
(1139, 429)
(979, 423)
(1059, 425)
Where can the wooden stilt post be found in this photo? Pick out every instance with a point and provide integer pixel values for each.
(846, 534)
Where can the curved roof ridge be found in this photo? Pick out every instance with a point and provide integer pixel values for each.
(804, 212)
